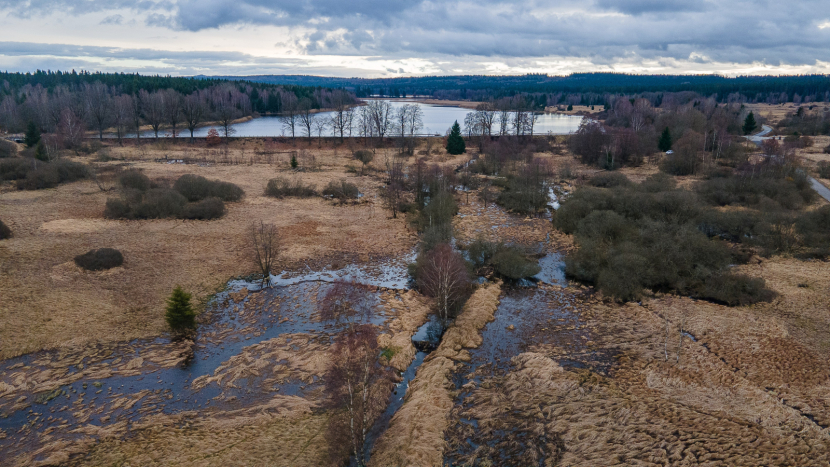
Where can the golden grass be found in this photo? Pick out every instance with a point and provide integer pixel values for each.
(751, 391)
(415, 436)
(48, 302)
(412, 310)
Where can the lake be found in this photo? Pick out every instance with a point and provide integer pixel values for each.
(437, 119)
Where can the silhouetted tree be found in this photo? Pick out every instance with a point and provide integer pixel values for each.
(665, 142)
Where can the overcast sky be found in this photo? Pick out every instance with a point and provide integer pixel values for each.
(383, 38)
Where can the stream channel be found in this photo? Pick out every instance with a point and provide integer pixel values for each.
(57, 397)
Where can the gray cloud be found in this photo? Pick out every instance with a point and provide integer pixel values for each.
(602, 32)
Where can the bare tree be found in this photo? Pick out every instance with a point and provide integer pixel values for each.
(122, 111)
(347, 303)
(444, 277)
(340, 101)
(136, 115)
(358, 386)
(193, 111)
(396, 186)
(152, 108)
(228, 105)
(264, 246)
(172, 109)
(289, 113)
(98, 102)
(486, 114)
(306, 116)
(320, 125)
(380, 115)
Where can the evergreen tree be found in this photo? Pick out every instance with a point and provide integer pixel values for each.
(294, 161)
(749, 123)
(32, 134)
(664, 144)
(455, 143)
(180, 316)
(40, 152)
(570, 107)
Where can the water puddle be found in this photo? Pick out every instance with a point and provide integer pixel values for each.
(129, 381)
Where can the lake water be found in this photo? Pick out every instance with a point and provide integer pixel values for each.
(437, 119)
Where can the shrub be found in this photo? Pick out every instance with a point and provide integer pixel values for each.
(179, 314)
(510, 263)
(208, 208)
(609, 180)
(5, 231)
(364, 156)
(159, 203)
(117, 209)
(134, 179)
(280, 187)
(434, 235)
(196, 188)
(341, 190)
(49, 175)
(100, 259)
(16, 168)
(658, 182)
(7, 149)
(824, 169)
(737, 289)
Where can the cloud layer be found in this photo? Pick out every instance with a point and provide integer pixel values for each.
(417, 36)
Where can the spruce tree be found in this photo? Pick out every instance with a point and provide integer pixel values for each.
(294, 161)
(180, 316)
(455, 143)
(664, 144)
(749, 123)
(32, 136)
(570, 107)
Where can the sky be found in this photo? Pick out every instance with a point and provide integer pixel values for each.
(388, 38)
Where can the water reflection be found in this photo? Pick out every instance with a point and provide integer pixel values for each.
(436, 119)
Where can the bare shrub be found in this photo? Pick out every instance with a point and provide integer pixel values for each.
(7, 149)
(347, 303)
(263, 244)
(208, 208)
(341, 190)
(134, 179)
(196, 188)
(443, 276)
(5, 231)
(52, 174)
(100, 259)
(281, 187)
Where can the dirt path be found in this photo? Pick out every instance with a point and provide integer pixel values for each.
(822, 190)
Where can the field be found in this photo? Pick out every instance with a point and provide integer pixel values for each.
(553, 375)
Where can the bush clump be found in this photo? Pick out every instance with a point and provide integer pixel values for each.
(134, 179)
(16, 168)
(208, 208)
(824, 169)
(5, 231)
(654, 236)
(196, 188)
(281, 187)
(50, 175)
(509, 262)
(609, 180)
(7, 149)
(341, 190)
(100, 259)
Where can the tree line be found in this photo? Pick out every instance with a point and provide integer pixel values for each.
(68, 104)
(577, 88)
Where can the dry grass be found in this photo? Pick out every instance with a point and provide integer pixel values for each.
(282, 434)
(411, 310)
(751, 391)
(775, 112)
(415, 436)
(49, 302)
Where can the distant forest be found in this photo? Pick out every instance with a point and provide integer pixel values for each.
(577, 88)
(69, 103)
